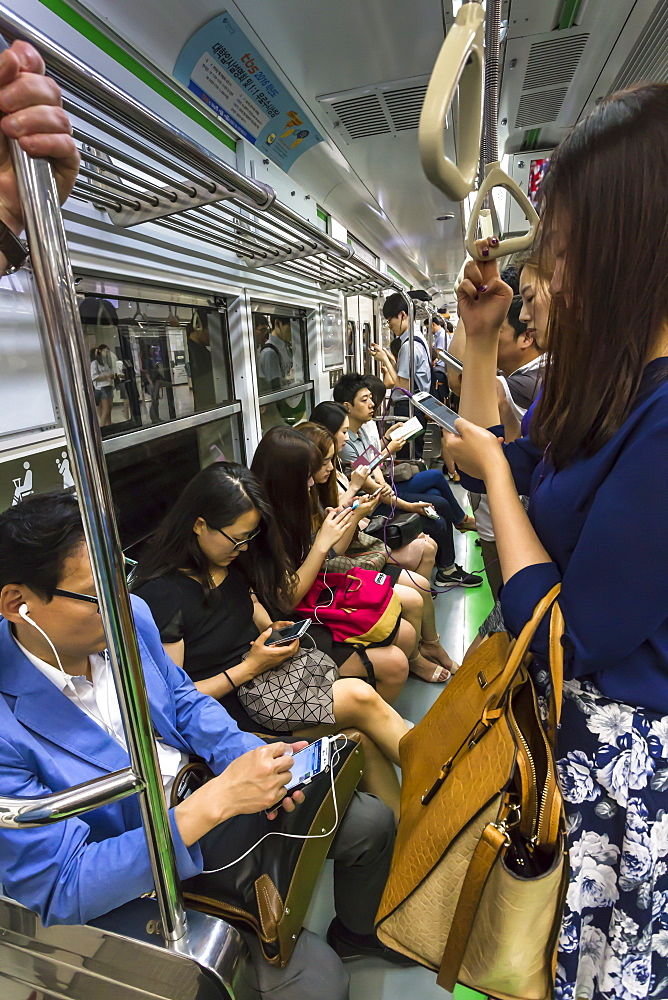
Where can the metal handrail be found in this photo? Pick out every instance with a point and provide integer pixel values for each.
(64, 343)
(247, 194)
(21, 813)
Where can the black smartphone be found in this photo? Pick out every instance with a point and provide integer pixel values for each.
(285, 635)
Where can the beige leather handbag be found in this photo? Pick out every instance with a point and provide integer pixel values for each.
(479, 870)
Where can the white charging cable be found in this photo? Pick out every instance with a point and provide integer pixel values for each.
(297, 836)
(23, 612)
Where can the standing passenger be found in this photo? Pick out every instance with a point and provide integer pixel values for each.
(596, 454)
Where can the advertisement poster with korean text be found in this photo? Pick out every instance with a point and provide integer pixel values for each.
(222, 67)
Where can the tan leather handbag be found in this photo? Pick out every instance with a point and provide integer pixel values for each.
(479, 870)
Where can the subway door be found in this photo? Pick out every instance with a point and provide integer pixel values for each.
(367, 323)
(354, 351)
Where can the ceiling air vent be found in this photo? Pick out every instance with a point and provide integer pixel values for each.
(553, 61)
(381, 109)
(648, 59)
(540, 107)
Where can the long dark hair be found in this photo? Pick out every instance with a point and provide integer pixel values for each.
(330, 415)
(606, 186)
(219, 494)
(283, 462)
(323, 495)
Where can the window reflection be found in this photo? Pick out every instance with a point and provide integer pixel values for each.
(290, 410)
(152, 362)
(280, 349)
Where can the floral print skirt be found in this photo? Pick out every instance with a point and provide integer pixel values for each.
(613, 770)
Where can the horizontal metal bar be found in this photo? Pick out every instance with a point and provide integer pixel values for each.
(92, 193)
(245, 237)
(106, 147)
(143, 434)
(294, 390)
(113, 167)
(24, 812)
(98, 90)
(115, 185)
(179, 225)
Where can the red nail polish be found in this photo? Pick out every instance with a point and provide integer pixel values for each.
(483, 288)
(476, 297)
(485, 252)
(494, 241)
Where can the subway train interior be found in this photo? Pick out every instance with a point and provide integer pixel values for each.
(256, 180)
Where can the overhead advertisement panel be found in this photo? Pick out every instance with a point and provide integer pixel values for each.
(222, 67)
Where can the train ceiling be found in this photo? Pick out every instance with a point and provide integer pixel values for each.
(360, 70)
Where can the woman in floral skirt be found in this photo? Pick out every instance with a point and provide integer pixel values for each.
(595, 466)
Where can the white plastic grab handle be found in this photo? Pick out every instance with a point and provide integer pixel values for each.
(460, 61)
(496, 177)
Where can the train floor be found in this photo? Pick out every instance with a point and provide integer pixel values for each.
(458, 615)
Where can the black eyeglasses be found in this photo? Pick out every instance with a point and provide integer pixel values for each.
(78, 597)
(244, 541)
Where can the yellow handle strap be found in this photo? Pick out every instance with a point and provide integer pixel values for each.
(496, 177)
(460, 61)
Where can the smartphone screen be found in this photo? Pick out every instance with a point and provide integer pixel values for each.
(288, 633)
(441, 413)
(306, 764)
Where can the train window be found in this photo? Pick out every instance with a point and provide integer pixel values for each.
(281, 363)
(158, 468)
(289, 410)
(153, 361)
(26, 404)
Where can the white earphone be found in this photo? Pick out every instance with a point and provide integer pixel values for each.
(25, 615)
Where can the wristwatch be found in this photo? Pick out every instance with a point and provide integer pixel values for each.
(12, 248)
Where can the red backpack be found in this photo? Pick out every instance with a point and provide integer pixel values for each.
(359, 607)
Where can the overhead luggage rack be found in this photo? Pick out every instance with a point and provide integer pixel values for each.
(140, 169)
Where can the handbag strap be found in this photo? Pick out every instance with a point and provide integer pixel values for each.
(488, 849)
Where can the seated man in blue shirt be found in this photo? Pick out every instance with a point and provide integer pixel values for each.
(61, 725)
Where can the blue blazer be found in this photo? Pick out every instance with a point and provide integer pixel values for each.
(80, 868)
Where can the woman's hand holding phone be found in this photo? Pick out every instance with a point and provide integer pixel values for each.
(262, 657)
(359, 476)
(334, 527)
(483, 298)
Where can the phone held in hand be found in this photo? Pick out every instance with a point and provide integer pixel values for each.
(358, 500)
(307, 764)
(439, 412)
(287, 634)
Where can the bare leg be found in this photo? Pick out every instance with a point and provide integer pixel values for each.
(426, 565)
(390, 665)
(418, 602)
(357, 704)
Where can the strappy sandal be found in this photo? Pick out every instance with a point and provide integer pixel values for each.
(452, 669)
(468, 524)
(437, 676)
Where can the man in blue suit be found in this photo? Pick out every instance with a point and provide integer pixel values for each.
(60, 725)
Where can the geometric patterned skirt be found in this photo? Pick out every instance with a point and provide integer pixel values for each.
(613, 770)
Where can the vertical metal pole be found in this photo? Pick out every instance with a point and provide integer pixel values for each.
(411, 363)
(490, 132)
(66, 350)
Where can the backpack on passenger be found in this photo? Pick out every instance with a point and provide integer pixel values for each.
(358, 607)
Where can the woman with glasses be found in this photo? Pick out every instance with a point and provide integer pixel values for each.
(214, 576)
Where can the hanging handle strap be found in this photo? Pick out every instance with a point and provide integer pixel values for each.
(460, 62)
(496, 177)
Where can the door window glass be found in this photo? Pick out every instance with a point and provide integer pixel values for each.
(281, 357)
(152, 362)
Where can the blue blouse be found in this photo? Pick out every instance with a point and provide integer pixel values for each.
(604, 523)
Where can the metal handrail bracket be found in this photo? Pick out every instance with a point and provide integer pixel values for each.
(23, 812)
(460, 62)
(496, 177)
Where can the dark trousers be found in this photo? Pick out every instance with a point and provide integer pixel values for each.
(490, 557)
(401, 410)
(362, 852)
(440, 531)
(439, 385)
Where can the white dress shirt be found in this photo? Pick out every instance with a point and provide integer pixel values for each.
(98, 699)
